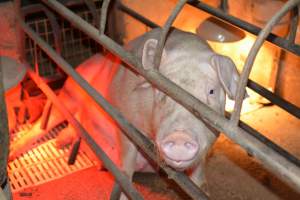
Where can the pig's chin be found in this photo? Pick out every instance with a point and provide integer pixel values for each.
(179, 165)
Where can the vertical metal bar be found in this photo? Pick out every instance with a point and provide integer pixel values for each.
(165, 30)
(103, 18)
(55, 28)
(121, 178)
(250, 59)
(92, 7)
(4, 131)
(293, 25)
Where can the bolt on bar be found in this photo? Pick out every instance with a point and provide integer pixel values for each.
(135, 135)
(120, 177)
(282, 168)
(251, 57)
(165, 31)
(287, 106)
(278, 41)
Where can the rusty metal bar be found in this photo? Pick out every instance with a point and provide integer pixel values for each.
(122, 179)
(278, 41)
(282, 168)
(165, 30)
(103, 20)
(4, 131)
(135, 135)
(277, 100)
(251, 57)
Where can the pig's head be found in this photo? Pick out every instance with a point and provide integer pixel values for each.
(182, 139)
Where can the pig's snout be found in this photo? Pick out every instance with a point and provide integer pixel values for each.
(179, 150)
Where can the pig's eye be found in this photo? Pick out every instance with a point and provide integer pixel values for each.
(211, 91)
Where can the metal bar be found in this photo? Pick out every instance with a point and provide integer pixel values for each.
(103, 19)
(293, 25)
(55, 28)
(136, 15)
(251, 57)
(45, 115)
(281, 42)
(282, 168)
(164, 32)
(4, 130)
(92, 7)
(139, 139)
(122, 179)
(267, 142)
(282, 103)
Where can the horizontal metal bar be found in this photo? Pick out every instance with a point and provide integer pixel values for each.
(278, 41)
(275, 99)
(282, 168)
(120, 177)
(135, 15)
(135, 135)
(267, 141)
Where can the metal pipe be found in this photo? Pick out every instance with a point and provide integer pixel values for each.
(136, 15)
(281, 42)
(251, 57)
(103, 20)
(164, 32)
(293, 25)
(275, 99)
(281, 167)
(4, 130)
(135, 135)
(92, 7)
(122, 179)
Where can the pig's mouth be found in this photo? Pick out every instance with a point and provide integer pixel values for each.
(179, 165)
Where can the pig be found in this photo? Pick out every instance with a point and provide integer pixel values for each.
(183, 141)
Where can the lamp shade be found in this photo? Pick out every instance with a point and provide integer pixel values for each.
(215, 30)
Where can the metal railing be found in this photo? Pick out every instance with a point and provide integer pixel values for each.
(282, 167)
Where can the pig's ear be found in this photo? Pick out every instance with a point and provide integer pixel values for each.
(227, 74)
(149, 53)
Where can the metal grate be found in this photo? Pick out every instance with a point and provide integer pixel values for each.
(44, 163)
(76, 46)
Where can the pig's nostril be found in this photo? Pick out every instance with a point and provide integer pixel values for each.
(190, 145)
(168, 144)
